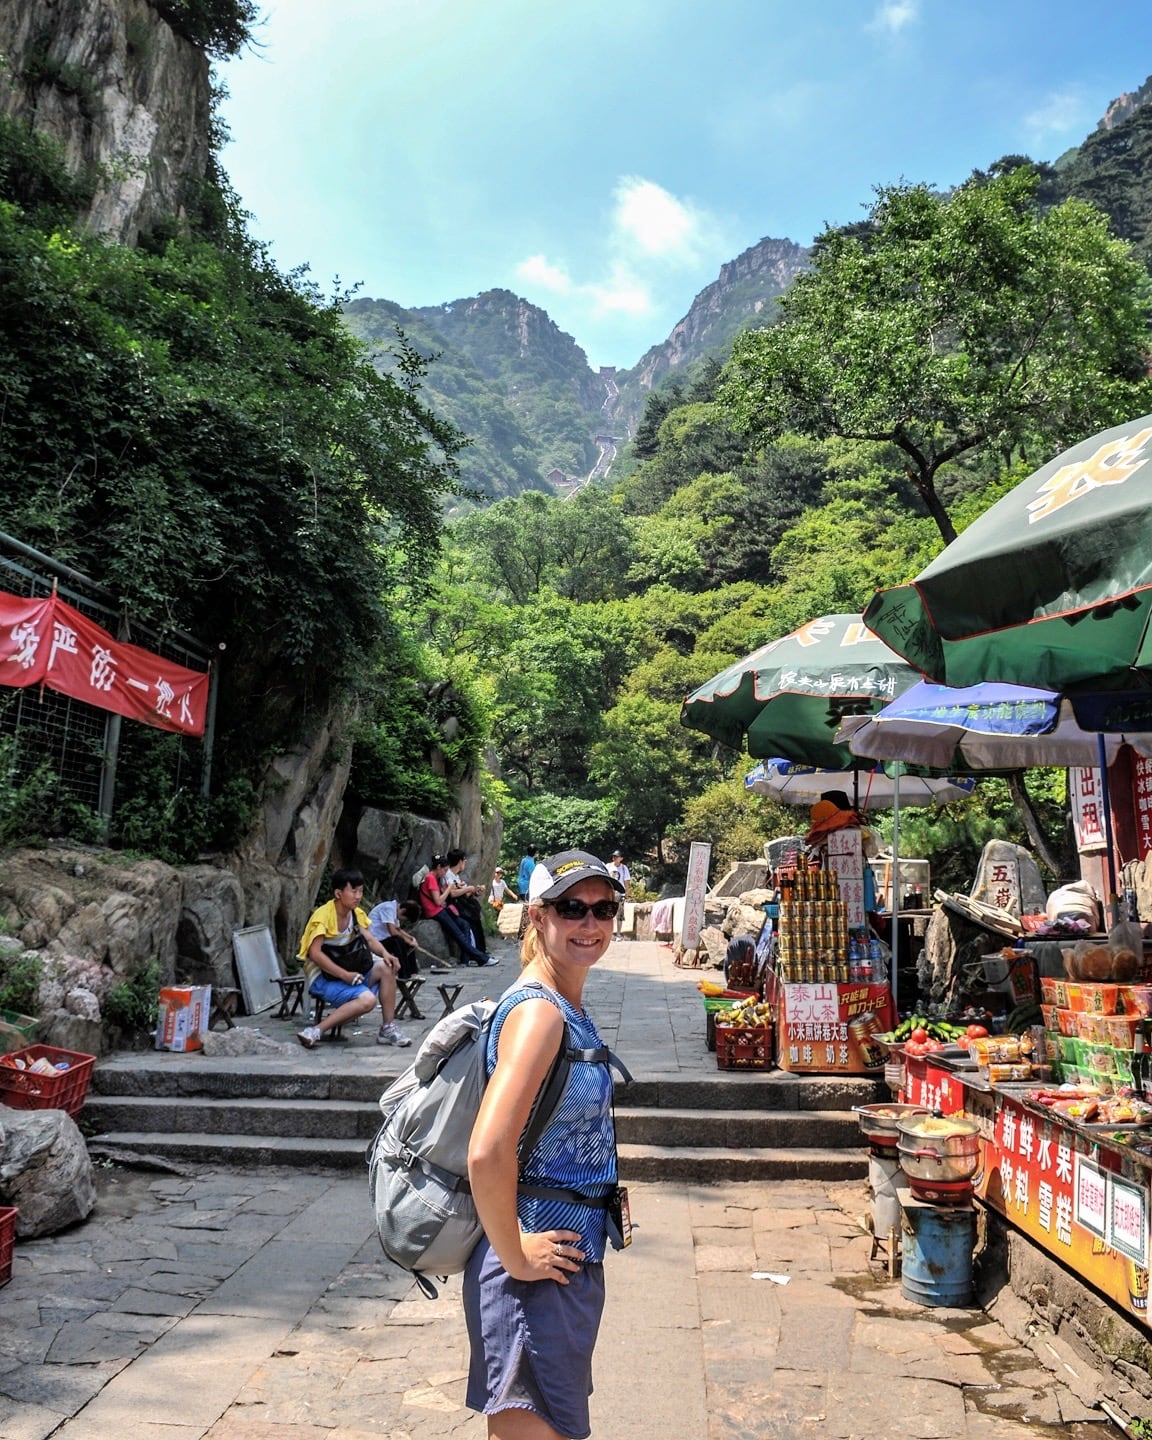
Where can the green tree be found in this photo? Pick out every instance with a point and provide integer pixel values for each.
(953, 324)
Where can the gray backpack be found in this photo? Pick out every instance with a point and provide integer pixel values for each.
(418, 1162)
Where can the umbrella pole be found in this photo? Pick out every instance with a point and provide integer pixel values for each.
(1109, 855)
(894, 978)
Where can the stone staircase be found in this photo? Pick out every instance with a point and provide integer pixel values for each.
(729, 1126)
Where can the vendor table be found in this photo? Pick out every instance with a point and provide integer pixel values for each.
(1079, 1192)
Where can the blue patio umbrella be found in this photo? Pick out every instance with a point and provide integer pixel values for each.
(998, 727)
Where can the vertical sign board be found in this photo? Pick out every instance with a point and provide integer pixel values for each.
(846, 861)
(695, 888)
(1086, 794)
(1142, 803)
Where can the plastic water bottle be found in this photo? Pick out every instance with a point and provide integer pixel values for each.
(879, 965)
(855, 959)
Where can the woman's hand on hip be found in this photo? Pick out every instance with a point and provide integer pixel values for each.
(550, 1255)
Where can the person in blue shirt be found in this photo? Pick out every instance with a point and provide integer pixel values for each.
(523, 881)
(534, 1286)
(524, 874)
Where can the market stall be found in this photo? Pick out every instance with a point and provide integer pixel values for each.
(1064, 1159)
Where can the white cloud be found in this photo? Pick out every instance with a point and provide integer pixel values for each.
(650, 219)
(648, 240)
(623, 293)
(1063, 112)
(536, 270)
(894, 15)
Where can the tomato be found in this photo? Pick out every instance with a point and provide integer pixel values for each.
(931, 1045)
(976, 1032)
(915, 1047)
(919, 1035)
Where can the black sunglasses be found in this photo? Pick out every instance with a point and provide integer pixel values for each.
(570, 909)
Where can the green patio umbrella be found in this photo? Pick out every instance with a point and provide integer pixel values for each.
(789, 697)
(1051, 587)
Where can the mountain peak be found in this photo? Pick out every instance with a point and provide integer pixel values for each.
(1124, 105)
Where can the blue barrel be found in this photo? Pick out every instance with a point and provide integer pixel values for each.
(938, 1240)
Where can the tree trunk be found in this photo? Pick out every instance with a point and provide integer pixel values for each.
(1036, 837)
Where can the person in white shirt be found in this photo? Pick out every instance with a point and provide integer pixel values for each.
(384, 923)
(499, 891)
(620, 871)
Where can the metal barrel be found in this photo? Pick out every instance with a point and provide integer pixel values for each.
(936, 1255)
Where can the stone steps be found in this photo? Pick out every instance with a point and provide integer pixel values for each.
(711, 1163)
(732, 1130)
(358, 1120)
(723, 1126)
(237, 1118)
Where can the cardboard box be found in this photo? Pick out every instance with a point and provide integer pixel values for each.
(184, 1012)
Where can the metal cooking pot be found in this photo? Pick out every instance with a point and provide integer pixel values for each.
(878, 1122)
(954, 1155)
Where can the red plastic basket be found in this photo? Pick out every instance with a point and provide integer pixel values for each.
(8, 1215)
(23, 1090)
(744, 1047)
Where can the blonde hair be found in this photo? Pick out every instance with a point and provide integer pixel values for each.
(531, 947)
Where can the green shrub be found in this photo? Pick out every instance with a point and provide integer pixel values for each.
(131, 1005)
(20, 982)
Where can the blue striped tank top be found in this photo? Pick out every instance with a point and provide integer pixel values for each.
(577, 1151)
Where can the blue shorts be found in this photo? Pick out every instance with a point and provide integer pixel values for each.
(531, 1341)
(335, 993)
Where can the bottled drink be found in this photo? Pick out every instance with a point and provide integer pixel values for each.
(878, 963)
(855, 958)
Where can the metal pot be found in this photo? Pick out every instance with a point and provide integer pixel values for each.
(951, 1156)
(878, 1122)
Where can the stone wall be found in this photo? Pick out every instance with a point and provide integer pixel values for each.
(79, 908)
(127, 100)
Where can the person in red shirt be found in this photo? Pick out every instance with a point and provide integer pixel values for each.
(436, 905)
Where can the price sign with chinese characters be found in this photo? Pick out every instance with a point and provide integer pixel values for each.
(1070, 1196)
(1142, 803)
(846, 861)
(829, 1029)
(1128, 1219)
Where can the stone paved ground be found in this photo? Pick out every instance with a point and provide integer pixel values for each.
(254, 1305)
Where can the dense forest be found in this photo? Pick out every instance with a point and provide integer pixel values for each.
(205, 435)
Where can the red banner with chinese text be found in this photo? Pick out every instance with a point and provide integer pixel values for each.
(48, 642)
(1073, 1198)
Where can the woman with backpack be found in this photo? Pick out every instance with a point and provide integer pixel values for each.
(534, 1286)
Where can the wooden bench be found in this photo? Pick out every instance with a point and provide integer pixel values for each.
(291, 996)
(448, 994)
(223, 1007)
(406, 997)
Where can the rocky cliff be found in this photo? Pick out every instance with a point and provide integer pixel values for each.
(126, 98)
(743, 294)
(1125, 105)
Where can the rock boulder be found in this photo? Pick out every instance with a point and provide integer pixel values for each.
(45, 1171)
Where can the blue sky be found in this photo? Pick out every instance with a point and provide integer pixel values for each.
(604, 158)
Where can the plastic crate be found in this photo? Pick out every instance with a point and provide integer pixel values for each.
(24, 1090)
(8, 1215)
(17, 1030)
(744, 1047)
